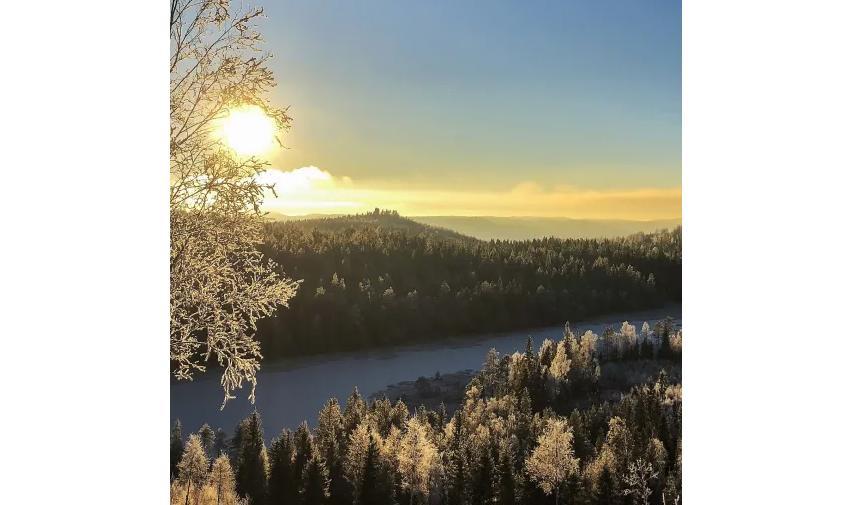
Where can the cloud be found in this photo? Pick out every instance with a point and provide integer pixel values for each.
(301, 180)
(310, 189)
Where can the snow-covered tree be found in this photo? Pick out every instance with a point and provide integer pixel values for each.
(560, 366)
(415, 457)
(222, 479)
(193, 467)
(220, 283)
(356, 454)
(552, 462)
(207, 438)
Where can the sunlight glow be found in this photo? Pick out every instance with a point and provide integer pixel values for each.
(248, 131)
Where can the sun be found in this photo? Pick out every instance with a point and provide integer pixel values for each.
(248, 131)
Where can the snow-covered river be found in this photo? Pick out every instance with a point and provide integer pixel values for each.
(293, 390)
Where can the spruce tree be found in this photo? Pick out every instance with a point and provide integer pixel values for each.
(355, 411)
(176, 448)
(331, 443)
(505, 480)
(376, 488)
(207, 438)
(221, 444)
(252, 468)
(315, 482)
(303, 450)
(605, 488)
(236, 443)
(282, 489)
(457, 493)
(481, 478)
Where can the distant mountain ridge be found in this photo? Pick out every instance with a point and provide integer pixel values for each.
(489, 227)
(525, 228)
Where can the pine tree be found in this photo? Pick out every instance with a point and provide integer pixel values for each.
(314, 480)
(222, 479)
(252, 470)
(282, 488)
(176, 448)
(194, 466)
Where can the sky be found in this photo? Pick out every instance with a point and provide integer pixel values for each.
(569, 109)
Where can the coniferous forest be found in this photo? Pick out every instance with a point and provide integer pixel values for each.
(533, 428)
(379, 279)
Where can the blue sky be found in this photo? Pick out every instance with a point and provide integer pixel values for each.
(481, 96)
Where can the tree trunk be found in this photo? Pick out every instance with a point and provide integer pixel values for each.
(188, 494)
(557, 496)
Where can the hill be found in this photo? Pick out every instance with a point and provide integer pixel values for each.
(387, 219)
(485, 227)
(379, 279)
(526, 228)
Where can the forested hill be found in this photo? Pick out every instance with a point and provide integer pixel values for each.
(388, 219)
(379, 279)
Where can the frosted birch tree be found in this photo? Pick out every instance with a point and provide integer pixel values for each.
(552, 461)
(220, 283)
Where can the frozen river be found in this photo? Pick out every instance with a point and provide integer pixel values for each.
(290, 391)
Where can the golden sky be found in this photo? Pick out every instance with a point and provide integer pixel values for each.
(478, 108)
(311, 190)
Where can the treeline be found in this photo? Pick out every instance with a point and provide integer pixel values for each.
(519, 438)
(379, 279)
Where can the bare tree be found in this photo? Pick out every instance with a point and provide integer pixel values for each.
(637, 480)
(220, 283)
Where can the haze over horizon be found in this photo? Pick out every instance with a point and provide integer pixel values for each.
(478, 109)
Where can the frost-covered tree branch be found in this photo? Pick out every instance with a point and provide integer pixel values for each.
(220, 283)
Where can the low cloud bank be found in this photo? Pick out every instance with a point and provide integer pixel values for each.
(309, 190)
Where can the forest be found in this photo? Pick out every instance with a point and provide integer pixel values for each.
(532, 429)
(379, 279)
